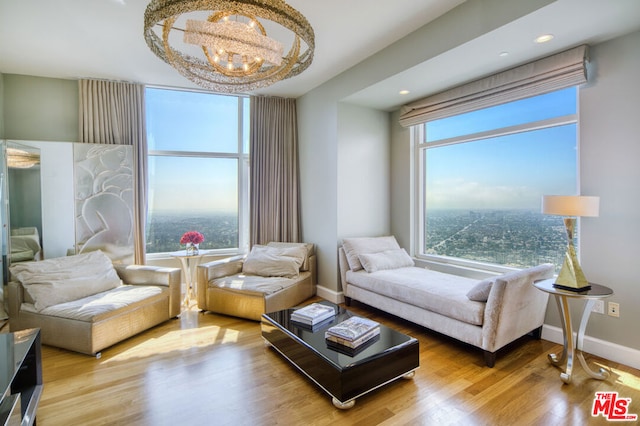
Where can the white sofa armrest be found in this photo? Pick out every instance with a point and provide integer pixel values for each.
(514, 307)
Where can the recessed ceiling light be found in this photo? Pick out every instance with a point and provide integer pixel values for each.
(544, 38)
(503, 54)
(404, 92)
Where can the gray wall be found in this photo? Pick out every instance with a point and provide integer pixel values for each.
(37, 108)
(364, 207)
(1, 106)
(610, 168)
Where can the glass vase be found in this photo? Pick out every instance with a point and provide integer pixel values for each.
(192, 249)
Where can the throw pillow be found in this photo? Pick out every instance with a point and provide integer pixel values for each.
(274, 261)
(480, 292)
(54, 281)
(388, 259)
(310, 251)
(353, 247)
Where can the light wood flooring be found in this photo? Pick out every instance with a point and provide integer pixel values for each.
(206, 369)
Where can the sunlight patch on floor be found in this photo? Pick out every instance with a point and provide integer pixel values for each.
(175, 341)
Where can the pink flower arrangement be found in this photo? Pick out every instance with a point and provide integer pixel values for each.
(193, 237)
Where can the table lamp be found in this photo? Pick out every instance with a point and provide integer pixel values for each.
(571, 276)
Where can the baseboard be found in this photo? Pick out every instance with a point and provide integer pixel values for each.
(330, 295)
(601, 348)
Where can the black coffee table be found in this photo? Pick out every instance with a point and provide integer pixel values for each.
(344, 377)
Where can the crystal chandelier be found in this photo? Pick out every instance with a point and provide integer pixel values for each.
(229, 50)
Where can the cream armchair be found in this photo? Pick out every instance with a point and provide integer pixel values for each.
(247, 287)
(94, 320)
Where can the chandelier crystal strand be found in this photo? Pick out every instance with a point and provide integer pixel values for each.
(238, 56)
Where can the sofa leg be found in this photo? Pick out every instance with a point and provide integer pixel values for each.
(490, 358)
(537, 333)
(347, 301)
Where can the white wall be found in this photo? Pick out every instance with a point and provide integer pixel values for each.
(364, 202)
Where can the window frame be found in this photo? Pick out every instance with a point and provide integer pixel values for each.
(420, 144)
(243, 171)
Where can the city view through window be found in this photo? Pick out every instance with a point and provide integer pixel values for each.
(485, 173)
(197, 169)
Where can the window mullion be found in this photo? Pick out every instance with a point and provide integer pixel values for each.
(504, 131)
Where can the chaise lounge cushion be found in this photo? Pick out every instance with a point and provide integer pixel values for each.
(252, 284)
(445, 294)
(98, 307)
(64, 279)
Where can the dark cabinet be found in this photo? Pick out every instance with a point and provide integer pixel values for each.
(20, 377)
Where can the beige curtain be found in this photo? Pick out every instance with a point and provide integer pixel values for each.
(275, 214)
(114, 113)
(545, 75)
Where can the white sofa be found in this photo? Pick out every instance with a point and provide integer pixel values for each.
(488, 314)
(85, 304)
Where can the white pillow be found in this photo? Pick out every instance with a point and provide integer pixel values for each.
(388, 259)
(274, 261)
(309, 247)
(480, 292)
(64, 279)
(353, 247)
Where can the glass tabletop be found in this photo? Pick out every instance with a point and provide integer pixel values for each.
(13, 349)
(596, 291)
(388, 340)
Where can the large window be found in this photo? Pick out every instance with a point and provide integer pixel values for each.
(481, 177)
(198, 169)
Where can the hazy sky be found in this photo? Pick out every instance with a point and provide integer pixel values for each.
(506, 172)
(200, 122)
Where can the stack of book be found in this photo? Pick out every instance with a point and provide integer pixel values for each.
(352, 334)
(312, 314)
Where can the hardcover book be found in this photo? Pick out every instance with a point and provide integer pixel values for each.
(346, 350)
(354, 343)
(313, 314)
(352, 328)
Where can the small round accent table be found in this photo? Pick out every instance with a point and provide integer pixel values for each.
(562, 300)
(189, 263)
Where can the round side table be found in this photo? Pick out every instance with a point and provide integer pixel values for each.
(562, 300)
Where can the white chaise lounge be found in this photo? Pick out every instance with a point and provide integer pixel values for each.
(488, 314)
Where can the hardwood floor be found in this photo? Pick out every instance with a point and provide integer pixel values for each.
(207, 369)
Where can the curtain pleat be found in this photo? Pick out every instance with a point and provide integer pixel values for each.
(274, 178)
(545, 75)
(114, 113)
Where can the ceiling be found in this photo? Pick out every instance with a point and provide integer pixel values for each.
(103, 39)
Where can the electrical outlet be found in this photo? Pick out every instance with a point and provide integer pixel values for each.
(598, 307)
(614, 309)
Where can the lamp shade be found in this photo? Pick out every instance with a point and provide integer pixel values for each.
(571, 205)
